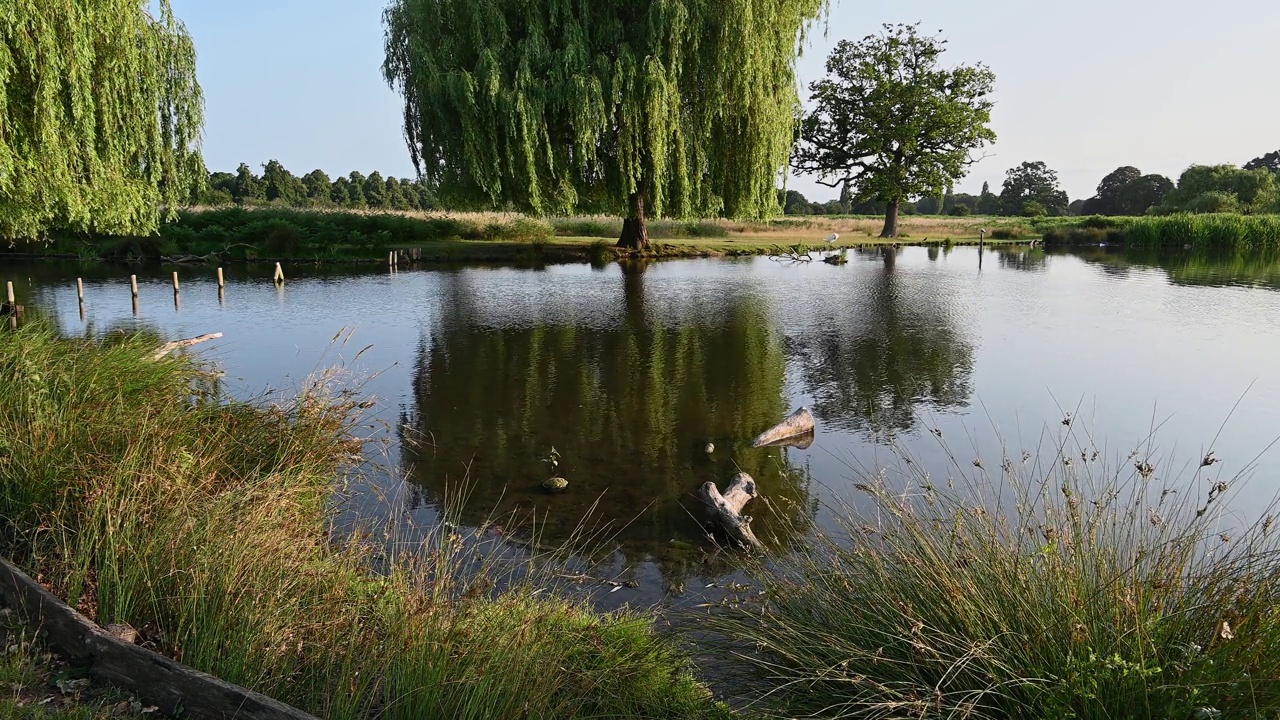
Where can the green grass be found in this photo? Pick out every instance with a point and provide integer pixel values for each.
(1062, 586)
(145, 496)
(1221, 231)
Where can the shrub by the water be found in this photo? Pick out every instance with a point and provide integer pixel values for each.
(1057, 587)
(143, 495)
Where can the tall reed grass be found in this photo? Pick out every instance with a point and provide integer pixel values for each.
(1202, 232)
(1063, 585)
(143, 495)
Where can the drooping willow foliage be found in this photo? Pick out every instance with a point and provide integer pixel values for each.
(100, 116)
(552, 104)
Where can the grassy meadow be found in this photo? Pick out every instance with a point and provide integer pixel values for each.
(143, 495)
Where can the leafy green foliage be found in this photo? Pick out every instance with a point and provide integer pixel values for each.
(544, 105)
(100, 116)
(892, 123)
(1032, 182)
(1223, 188)
(1126, 191)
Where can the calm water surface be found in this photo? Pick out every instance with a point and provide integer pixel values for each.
(629, 371)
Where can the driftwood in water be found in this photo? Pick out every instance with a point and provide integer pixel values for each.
(800, 422)
(802, 442)
(169, 347)
(728, 508)
(172, 686)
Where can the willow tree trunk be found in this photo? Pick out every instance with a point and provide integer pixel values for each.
(635, 230)
(891, 220)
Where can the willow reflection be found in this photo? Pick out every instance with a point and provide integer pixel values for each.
(628, 404)
(892, 349)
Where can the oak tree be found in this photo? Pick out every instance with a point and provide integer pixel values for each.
(660, 108)
(892, 122)
(1032, 189)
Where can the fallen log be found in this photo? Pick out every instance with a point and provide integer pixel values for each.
(728, 508)
(802, 442)
(169, 347)
(800, 422)
(173, 687)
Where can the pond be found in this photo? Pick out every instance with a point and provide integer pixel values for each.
(946, 357)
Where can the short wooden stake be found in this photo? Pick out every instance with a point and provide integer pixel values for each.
(175, 282)
(279, 276)
(80, 290)
(12, 305)
(221, 284)
(133, 286)
(8, 289)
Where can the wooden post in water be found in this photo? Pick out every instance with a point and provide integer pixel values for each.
(391, 260)
(279, 276)
(80, 290)
(11, 304)
(221, 283)
(133, 286)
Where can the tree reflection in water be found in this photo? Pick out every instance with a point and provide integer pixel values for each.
(892, 349)
(629, 404)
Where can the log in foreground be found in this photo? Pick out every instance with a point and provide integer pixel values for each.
(728, 508)
(798, 423)
(175, 688)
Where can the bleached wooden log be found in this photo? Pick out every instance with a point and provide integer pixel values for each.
(169, 347)
(727, 508)
(800, 422)
(802, 442)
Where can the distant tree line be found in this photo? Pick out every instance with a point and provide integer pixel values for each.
(277, 186)
(1032, 190)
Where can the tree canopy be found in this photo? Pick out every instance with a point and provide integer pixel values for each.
(1224, 188)
(671, 107)
(892, 122)
(1032, 189)
(1126, 191)
(1270, 161)
(100, 116)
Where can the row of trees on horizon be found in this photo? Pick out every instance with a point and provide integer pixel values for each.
(1029, 190)
(1032, 190)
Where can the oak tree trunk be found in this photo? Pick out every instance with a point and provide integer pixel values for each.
(891, 220)
(635, 230)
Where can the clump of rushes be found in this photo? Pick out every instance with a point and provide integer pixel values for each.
(1053, 585)
(146, 496)
(1216, 231)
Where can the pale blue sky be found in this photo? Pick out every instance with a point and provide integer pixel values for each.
(1086, 86)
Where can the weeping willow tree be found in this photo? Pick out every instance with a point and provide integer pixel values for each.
(100, 116)
(654, 108)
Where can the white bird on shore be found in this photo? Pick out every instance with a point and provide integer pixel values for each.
(832, 238)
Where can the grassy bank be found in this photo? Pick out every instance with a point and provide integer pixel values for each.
(245, 234)
(1065, 587)
(144, 496)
